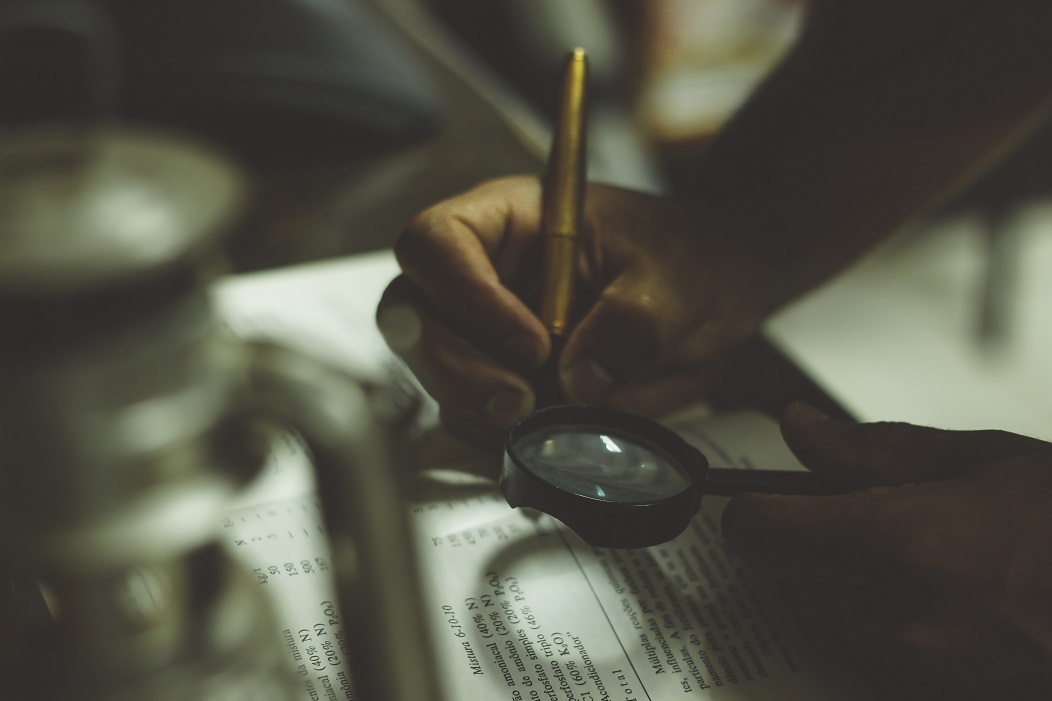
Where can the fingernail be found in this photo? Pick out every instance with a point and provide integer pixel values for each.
(805, 413)
(528, 349)
(401, 328)
(506, 407)
(587, 380)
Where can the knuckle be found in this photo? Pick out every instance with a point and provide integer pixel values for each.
(734, 515)
(400, 326)
(417, 240)
(886, 433)
(871, 441)
(399, 291)
(923, 639)
(506, 183)
(910, 546)
(742, 517)
(468, 428)
(632, 332)
(920, 549)
(884, 535)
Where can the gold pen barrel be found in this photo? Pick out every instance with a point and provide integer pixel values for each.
(563, 197)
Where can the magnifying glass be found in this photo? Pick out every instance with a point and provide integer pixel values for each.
(622, 481)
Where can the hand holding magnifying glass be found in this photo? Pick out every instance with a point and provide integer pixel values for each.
(618, 480)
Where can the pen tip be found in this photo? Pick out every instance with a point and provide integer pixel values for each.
(578, 54)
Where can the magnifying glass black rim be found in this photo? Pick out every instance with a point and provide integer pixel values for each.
(604, 523)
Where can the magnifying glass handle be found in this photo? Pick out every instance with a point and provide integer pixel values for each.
(729, 482)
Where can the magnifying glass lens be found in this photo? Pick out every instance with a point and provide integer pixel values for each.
(623, 481)
(600, 463)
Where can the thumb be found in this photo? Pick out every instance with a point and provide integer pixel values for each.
(894, 452)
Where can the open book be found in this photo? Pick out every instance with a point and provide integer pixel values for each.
(518, 607)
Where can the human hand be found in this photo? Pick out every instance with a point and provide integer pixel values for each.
(937, 585)
(661, 292)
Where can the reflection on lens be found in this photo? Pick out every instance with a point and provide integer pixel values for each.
(602, 464)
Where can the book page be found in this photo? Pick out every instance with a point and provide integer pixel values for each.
(517, 606)
(520, 608)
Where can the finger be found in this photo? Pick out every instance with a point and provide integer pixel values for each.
(461, 252)
(895, 453)
(796, 538)
(468, 426)
(636, 323)
(464, 380)
(857, 629)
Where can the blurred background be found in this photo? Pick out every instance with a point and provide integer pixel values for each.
(348, 116)
(944, 325)
(132, 132)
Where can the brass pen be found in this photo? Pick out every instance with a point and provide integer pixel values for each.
(564, 196)
(562, 204)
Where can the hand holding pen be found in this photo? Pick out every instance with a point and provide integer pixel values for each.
(660, 294)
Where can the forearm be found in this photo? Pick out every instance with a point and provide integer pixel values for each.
(878, 114)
